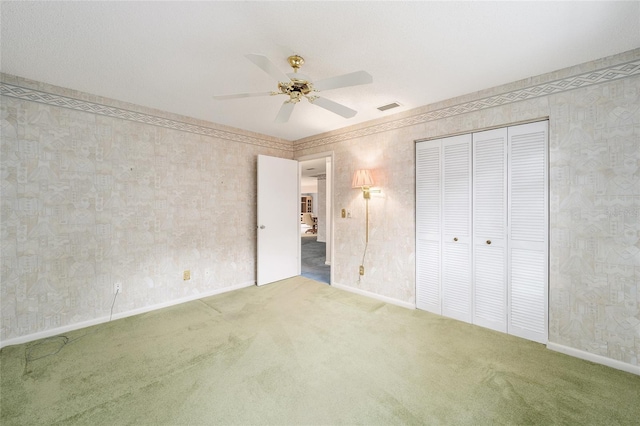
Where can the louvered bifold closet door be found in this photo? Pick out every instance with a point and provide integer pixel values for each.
(528, 231)
(428, 225)
(456, 231)
(489, 229)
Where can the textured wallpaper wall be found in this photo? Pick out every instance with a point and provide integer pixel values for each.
(594, 115)
(92, 198)
(92, 194)
(595, 220)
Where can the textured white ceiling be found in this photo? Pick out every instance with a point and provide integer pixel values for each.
(174, 56)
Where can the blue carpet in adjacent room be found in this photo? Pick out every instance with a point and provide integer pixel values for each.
(313, 260)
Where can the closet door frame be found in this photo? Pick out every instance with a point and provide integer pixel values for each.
(520, 296)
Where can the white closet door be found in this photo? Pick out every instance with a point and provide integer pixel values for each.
(528, 230)
(489, 229)
(456, 232)
(428, 225)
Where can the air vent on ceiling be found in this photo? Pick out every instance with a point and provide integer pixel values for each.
(389, 106)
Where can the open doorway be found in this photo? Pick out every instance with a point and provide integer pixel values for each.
(315, 216)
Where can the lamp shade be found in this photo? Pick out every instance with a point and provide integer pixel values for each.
(362, 178)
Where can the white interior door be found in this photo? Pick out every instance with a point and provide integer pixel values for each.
(456, 228)
(428, 225)
(490, 229)
(278, 251)
(528, 222)
(497, 275)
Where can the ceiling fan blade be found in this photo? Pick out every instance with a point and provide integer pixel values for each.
(241, 95)
(334, 107)
(267, 66)
(345, 80)
(285, 112)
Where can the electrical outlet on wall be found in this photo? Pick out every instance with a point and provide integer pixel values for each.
(117, 287)
(186, 275)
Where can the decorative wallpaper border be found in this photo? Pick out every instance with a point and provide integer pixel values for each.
(32, 95)
(591, 78)
(586, 79)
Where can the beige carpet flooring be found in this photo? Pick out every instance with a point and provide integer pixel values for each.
(298, 352)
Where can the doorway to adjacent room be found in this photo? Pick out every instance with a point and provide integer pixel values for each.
(315, 216)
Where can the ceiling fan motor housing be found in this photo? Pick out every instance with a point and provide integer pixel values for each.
(295, 89)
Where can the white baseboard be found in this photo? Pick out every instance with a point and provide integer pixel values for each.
(375, 296)
(598, 359)
(77, 326)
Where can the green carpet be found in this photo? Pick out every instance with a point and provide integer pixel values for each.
(299, 352)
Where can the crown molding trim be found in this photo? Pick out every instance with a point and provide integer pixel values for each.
(586, 79)
(33, 95)
(578, 81)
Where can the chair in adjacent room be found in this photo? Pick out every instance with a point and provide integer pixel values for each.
(307, 219)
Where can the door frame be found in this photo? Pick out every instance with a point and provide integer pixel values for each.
(330, 199)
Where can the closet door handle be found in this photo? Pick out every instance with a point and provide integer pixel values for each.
(488, 241)
(455, 238)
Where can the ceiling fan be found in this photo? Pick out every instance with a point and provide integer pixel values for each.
(297, 86)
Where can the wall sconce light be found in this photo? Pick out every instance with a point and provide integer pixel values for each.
(364, 180)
